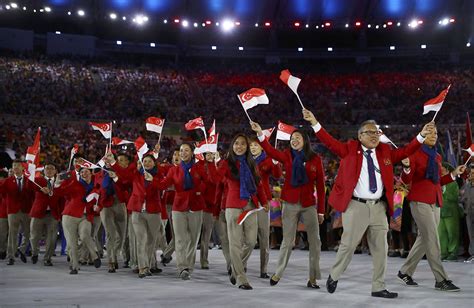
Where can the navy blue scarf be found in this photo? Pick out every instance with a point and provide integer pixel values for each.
(260, 157)
(432, 171)
(188, 179)
(298, 171)
(108, 184)
(87, 187)
(247, 182)
(153, 171)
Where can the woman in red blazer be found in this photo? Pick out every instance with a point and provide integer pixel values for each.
(189, 180)
(78, 215)
(245, 193)
(266, 168)
(145, 204)
(303, 170)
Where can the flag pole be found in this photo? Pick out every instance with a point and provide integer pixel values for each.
(299, 99)
(393, 144)
(110, 140)
(465, 164)
(159, 138)
(35, 183)
(436, 113)
(70, 161)
(246, 113)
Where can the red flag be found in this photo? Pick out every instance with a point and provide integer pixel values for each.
(198, 157)
(141, 147)
(104, 128)
(154, 124)
(74, 149)
(212, 130)
(196, 123)
(210, 146)
(119, 141)
(436, 103)
(284, 131)
(290, 80)
(32, 152)
(253, 97)
(268, 132)
(88, 165)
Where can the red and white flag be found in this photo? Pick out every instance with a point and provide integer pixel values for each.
(212, 130)
(268, 132)
(104, 128)
(243, 216)
(32, 152)
(92, 196)
(436, 103)
(88, 165)
(470, 150)
(198, 157)
(154, 124)
(74, 149)
(141, 147)
(384, 138)
(196, 123)
(284, 131)
(290, 80)
(210, 146)
(119, 141)
(253, 97)
(30, 172)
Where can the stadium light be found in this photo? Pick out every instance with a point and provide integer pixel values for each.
(214, 47)
(203, 24)
(113, 16)
(227, 25)
(444, 21)
(119, 42)
(47, 9)
(415, 23)
(327, 24)
(347, 25)
(152, 45)
(389, 23)
(358, 23)
(124, 18)
(13, 5)
(140, 19)
(256, 25)
(399, 24)
(24, 8)
(300, 49)
(369, 26)
(208, 22)
(468, 44)
(195, 25)
(307, 26)
(165, 21)
(58, 32)
(69, 13)
(423, 46)
(7, 7)
(241, 48)
(296, 24)
(176, 21)
(330, 49)
(81, 13)
(267, 24)
(392, 47)
(185, 23)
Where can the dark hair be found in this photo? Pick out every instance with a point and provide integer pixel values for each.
(51, 164)
(122, 154)
(190, 146)
(253, 139)
(307, 150)
(363, 124)
(3, 174)
(232, 160)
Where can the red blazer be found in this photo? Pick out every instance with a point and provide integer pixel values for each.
(120, 191)
(140, 193)
(222, 173)
(209, 193)
(75, 202)
(266, 169)
(185, 200)
(221, 197)
(14, 199)
(350, 153)
(3, 207)
(423, 190)
(303, 194)
(40, 205)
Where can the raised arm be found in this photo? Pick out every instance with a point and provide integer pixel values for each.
(271, 151)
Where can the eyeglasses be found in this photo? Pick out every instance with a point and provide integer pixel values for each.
(372, 133)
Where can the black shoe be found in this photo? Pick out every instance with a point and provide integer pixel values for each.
(331, 284)
(155, 270)
(68, 259)
(446, 285)
(232, 279)
(48, 263)
(11, 261)
(148, 273)
(394, 254)
(111, 268)
(16, 254)
(205, 267)
(385, 294)
(126, 264)
(22, 256)
(90, 263)
(73, 272)
(135, 271)
(97, 263)
(34, 259)
(264, 276)
(312, 285)
(273, 282)
(245, 286)
(28, 253)
(404, 255)
(116, 265)
(406, 279)
(185, 274)
(82, 263)
(165, 260)
(229, 271)
(3, 255)
(141, 275)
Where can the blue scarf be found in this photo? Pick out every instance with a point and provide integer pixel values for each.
(298, 171)
(153, 171)
(87, 187)
(260, 157)
(432, 171)
(247, 182)
(188, 179)
(108, 184)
